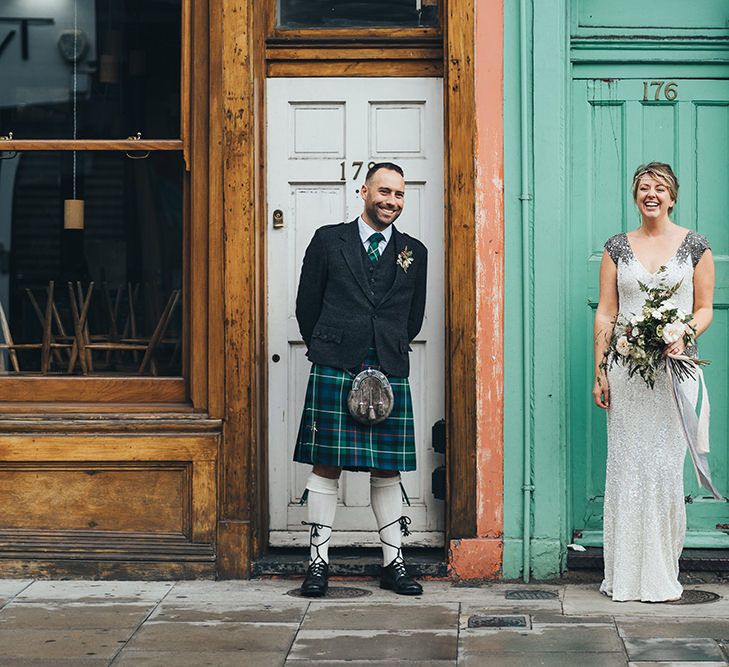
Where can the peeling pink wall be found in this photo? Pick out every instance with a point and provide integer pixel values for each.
(482, 557)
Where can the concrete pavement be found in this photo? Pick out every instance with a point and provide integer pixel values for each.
(257, 623)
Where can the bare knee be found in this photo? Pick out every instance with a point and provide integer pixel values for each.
(330, 472)
(383, 473)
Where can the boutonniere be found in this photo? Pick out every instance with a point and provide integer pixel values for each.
(405, 259)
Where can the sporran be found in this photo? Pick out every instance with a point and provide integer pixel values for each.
(370, 400)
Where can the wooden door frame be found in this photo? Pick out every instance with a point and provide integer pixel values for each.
(237, 183)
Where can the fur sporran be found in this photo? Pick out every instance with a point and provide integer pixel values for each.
(370, 400)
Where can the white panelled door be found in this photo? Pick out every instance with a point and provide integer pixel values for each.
(322, 134)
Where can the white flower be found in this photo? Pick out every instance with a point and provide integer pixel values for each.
(635, 332)
(623, 346)
(673, 331)
(656, 314)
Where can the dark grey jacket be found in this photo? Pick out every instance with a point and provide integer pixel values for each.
(338, 313)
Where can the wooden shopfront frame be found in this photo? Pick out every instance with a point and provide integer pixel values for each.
(118, 476)
(252, 49)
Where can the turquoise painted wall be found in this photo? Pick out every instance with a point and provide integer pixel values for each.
(537, 408)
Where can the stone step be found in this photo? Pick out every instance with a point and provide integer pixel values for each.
(698, 560)
(348, 562)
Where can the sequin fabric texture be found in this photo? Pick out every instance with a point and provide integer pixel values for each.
(644, 513)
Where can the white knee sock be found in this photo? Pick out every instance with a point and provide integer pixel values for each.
(386, 501)
(322, 503)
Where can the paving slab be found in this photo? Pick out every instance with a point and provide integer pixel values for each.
(494, 595)
(9, 588)
(230, 613)
(275, 591)
(588, 601)
(676, 650)
(89, 591)
(381, 616)
(73, 616)
(207, 659)
(178, 637)
(677, 664)
(230, 595)
(555, 618)
(647, 628)
(537, 617)
(370, 663)
(54, 662)
(545, 639)
(403, 645)
(56, 644)
(543, 660)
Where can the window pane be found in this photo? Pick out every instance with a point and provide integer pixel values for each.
(126, 251)
(127, 72)
(357, 13)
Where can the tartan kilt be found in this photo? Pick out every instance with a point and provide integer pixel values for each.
(328, 434)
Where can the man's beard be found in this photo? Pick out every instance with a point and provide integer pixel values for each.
(373, 214)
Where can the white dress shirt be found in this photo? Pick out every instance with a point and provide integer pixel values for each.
(365, 231)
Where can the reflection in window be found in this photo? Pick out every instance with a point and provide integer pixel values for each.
(127, 68)
(114, 280)
(357, 13)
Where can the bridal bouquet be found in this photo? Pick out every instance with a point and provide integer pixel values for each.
(639, 342)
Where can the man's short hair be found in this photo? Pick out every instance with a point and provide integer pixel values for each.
(383, 165)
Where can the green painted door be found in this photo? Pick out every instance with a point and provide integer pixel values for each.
(616, 125)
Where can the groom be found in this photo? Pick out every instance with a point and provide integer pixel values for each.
(360, 303)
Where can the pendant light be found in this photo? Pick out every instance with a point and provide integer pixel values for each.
(73, 209)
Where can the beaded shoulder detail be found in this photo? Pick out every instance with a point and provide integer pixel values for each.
(693, 246)
(618, 248)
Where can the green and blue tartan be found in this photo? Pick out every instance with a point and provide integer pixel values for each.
(329, 436)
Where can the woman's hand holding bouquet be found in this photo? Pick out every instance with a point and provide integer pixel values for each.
(653, 338)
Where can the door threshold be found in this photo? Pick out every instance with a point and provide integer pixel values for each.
(348, 562)
(692, 560)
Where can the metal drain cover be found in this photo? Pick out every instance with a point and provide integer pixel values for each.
(335, 593)
(692, 596)
(479, 621)
(532, 594)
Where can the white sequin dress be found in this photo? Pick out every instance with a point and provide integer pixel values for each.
(644, 514)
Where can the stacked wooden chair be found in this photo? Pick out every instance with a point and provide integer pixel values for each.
(69, 350)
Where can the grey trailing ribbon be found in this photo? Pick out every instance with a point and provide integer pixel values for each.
(695, 427)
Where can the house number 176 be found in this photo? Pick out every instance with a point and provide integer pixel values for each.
(669, 89)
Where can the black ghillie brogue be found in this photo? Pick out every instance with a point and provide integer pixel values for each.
(395, 578)
(316, 581)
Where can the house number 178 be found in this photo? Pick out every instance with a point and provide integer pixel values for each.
(357, 165)
(669, 89)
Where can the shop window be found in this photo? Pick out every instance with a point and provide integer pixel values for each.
(356, 14)
(93, 192)
(126, 77)
(90, 283)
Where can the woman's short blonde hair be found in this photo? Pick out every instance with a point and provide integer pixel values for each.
(662, 172)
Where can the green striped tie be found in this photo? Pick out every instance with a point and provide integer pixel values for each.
(373, 251)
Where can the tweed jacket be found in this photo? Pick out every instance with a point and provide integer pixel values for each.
(339, 315)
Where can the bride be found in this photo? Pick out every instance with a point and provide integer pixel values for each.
(644, 513)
